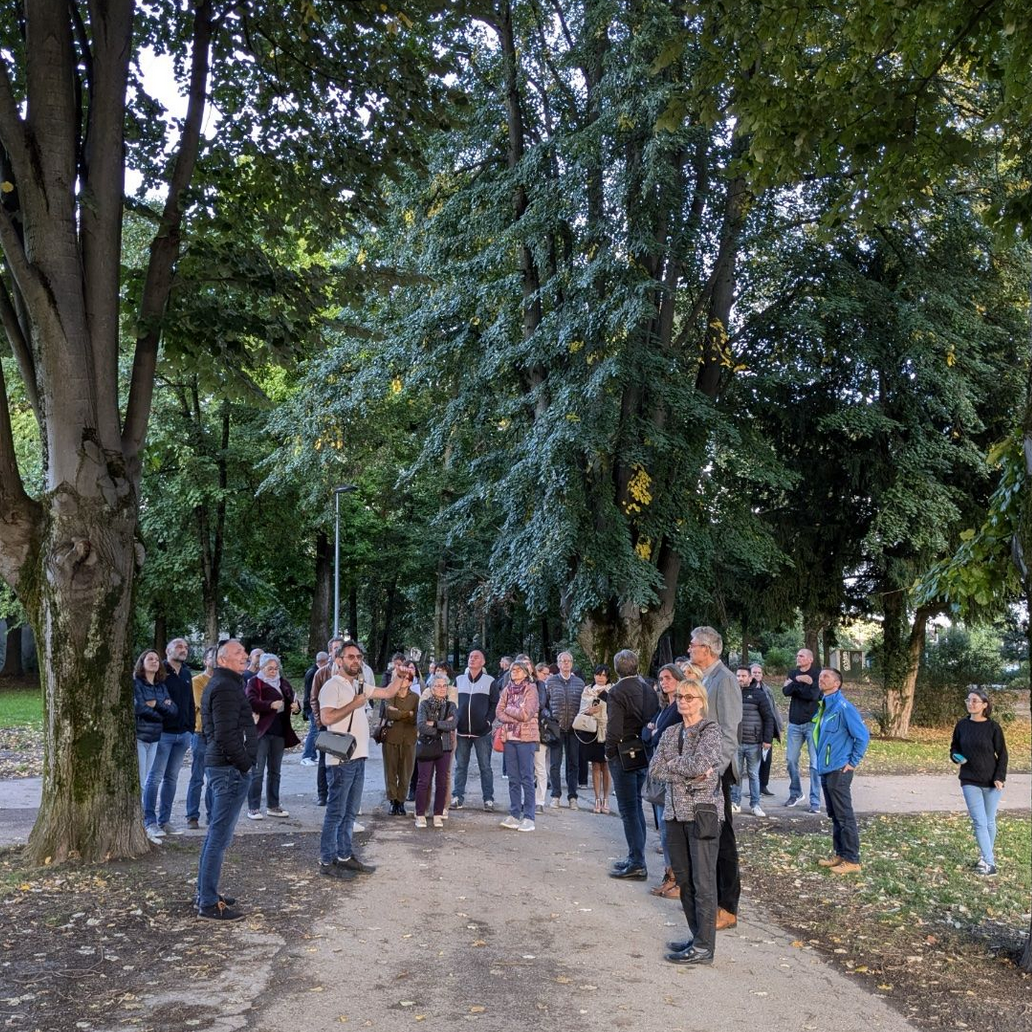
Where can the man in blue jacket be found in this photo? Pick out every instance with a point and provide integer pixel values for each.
(840, 740)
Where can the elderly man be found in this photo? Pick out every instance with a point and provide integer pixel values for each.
(631, 705)
(478, 699)
(564, 698)
(725, 707)
(802, 687)
(231, 746)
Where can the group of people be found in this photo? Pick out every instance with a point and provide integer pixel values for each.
(685, 745)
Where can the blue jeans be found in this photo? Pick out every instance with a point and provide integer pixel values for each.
(228, 791)
(845, 836)
(797, 734)
(145, 757)
(519, 759)
(344, 783)
(982, 804)
(164, 773)
(313, 733)
(749, 759)
(482, 745)
(628, 788)
(198, 747)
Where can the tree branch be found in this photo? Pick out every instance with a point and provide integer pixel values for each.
(165, 247)
(20, 346)
(12, 128)
(25, 277)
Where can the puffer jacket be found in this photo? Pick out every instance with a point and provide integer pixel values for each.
(150, 720)
(757, 718)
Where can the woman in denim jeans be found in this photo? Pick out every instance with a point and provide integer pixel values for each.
(979, 748)
(151, 701)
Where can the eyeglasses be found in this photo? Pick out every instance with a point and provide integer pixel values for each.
(687, 695)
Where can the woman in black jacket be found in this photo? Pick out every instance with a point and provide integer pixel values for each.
(151, 702)
(979, 747)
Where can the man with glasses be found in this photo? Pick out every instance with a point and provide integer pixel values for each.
(342, 708)
(725, 707)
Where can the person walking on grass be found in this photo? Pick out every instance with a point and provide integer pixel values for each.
(978, 746)
(840, 739)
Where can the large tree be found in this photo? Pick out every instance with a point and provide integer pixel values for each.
(309, 104)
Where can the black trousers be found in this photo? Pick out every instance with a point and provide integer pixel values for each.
(694, 861)
(729, 884)
(765, 768)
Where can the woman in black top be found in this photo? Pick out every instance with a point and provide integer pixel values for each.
(978, 746)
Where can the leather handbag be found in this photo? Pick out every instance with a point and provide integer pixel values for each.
(585, 722)
(654, 791)
(498, 739)
(549, 730)
(379, 731)
(429, 747)
(338, 744)
(631, 752)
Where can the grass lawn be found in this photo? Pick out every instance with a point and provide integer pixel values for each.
(21, 707)
(916, 924)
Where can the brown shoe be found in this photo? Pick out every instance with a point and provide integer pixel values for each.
(673, 892)
(832, 861)
(668, 880)
(725, 919)
(846, 867)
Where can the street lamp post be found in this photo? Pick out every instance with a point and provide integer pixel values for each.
(337, 492)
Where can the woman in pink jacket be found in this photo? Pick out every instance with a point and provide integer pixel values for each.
(518, 712)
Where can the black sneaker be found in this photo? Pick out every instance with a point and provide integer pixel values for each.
(193, 824)
(352, 863)
(219, 912)
(335, 870)
(320, 802)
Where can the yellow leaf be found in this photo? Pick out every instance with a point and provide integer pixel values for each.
(6, 186)
(477, 1009)
(479, 942)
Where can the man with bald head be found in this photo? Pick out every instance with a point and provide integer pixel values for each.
(231, 747)
(478, 699)
(803, 689)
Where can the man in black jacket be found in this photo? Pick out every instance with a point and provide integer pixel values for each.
(802, 687)
(631, 705)
(231, 747)
(755, 734)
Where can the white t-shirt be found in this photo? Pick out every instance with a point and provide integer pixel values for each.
(337, 692)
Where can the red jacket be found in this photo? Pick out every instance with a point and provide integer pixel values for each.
(262, 696)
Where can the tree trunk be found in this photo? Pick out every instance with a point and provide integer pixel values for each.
(902, 663)
(319, 617)
(160, 631)
(384, 645)
(13, 656)
(91, 783)
(743, 656)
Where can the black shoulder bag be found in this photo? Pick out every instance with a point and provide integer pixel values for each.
(707, 824)
(340, 744)
(631, 749)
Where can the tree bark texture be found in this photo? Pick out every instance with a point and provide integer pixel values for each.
(903, 649)
(320, 618)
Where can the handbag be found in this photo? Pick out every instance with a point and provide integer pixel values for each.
(334, 743)
(498, 739)
(707, 825)
(549, 730)
(585, 722)
(631, 750)
(654, 791)
(379, 731)
(429, 747)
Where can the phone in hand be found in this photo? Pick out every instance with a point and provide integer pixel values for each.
(957, 758)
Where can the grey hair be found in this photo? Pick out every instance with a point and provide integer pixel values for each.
(221, 654)
(569, 655)
(625, 663)
(711, 638)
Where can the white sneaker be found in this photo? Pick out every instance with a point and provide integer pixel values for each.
(455, 804)
(526, 825)
(438, 822)
(277, 811)
(153, 835)
(735, 808)
(757, 811)
(444, 816)
(489, 806)
(309, 763)
(554, 804)
(357, 827)
(511, 823)
(255, 815)
(157, 830)
(420, 822)
(573, 804)
(540, 808)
